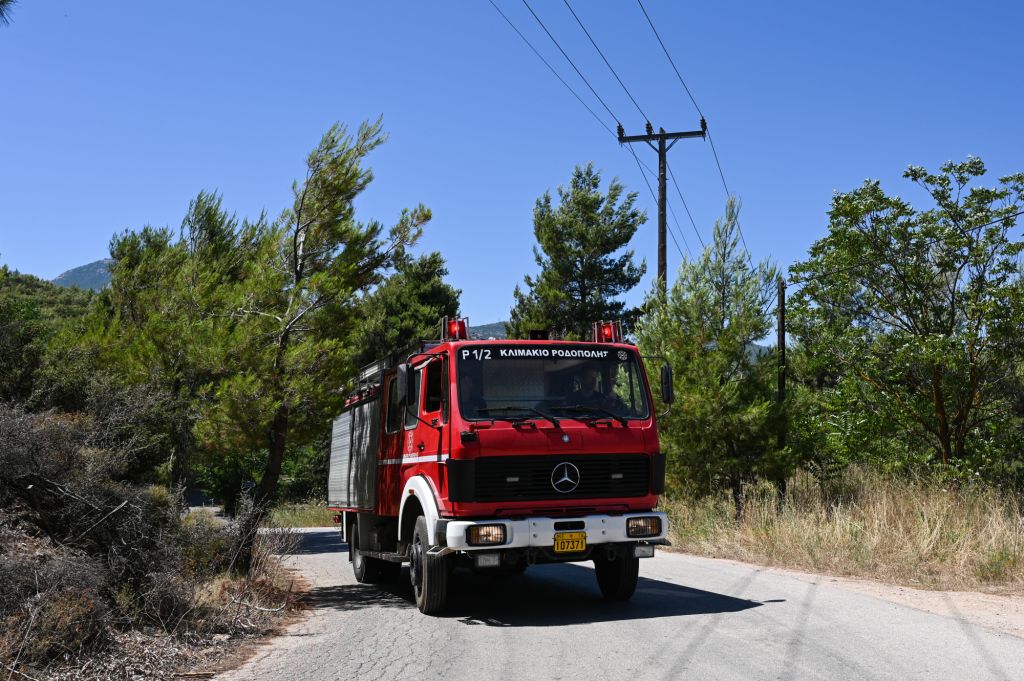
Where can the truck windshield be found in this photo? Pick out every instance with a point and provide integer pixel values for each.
(565, 381)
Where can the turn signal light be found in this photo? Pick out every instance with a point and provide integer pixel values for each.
(648, 526)
(485, 535)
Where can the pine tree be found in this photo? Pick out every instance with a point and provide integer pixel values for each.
(722, 430)
(405, 308)
(582, 265)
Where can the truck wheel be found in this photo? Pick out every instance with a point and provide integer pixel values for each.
(428, 574)
(370, 570)
(617, 578)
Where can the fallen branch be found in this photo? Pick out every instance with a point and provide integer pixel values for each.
(256, 607)
(82, 534)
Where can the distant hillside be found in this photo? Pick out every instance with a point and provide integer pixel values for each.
(93, 276)
(485, 331)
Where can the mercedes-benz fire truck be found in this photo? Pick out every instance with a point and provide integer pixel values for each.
(497, 455)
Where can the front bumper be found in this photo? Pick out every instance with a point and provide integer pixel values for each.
(540, 531)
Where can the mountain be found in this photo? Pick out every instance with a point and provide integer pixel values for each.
(93, 276)
(485, 331)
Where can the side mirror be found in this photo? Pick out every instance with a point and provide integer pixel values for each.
(403, 383)
(668, 393)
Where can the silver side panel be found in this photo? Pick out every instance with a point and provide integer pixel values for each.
(352, 480)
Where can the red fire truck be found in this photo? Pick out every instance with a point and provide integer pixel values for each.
(497, 455)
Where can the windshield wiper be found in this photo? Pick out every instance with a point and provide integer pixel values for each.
(580, 408)
(531, 410)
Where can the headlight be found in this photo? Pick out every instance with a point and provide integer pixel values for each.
(647, 526)
(485, 535)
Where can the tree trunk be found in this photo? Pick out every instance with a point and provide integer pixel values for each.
(277, 439)
(738, 496)
(940, 412)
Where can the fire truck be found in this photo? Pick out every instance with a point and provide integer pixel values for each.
(497, 455)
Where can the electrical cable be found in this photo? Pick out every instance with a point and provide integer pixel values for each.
(654, 196)
(578, 72)
(690, 215)
(711, 141)
(604, 125)
(607, 63)
(552, 69)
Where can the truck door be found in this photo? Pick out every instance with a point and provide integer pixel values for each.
(431, 434)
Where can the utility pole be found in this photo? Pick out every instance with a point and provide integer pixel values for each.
(662, 138)
(780, 487)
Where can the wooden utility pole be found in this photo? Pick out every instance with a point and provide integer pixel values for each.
(781, 340)
(662, 138)
(780, 487)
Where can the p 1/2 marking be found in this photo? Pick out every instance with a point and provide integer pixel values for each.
(479, 354)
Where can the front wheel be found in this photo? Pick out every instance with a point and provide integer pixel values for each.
(617, 578)
(427, 573)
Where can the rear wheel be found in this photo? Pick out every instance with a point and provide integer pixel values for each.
(617, 578)
(370, 570)
(427, 573)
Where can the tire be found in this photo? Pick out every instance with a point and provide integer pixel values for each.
(370, 570)
(428, 574)
(617, 578)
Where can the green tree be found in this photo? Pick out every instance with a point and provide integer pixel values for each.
(722, 431)
(32, 311)
(582, 265)
(914, 316)
(282, 335)
(406, 307)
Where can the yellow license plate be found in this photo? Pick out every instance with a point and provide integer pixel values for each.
(570, 542)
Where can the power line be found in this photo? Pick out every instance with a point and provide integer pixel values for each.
(688, 213)
(552, 69)
(607, 63)
(578, 72)
(711, 141)
(665, 49)
(641, 165)
(604, 125)
(651, 190)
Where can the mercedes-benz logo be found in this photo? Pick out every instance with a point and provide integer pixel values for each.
(565, 477)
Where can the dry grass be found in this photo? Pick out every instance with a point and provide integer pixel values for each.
(912, 532)
(309, 514)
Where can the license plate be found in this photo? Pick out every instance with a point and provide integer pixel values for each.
(570, 542)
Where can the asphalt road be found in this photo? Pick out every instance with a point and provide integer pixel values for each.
(691, 618)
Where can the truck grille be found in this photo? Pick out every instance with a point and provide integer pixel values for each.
(528, 478)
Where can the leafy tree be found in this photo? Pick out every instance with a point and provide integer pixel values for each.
(722, 432)
(280, 338)
(914, 316)
(406, 307)
(580, 273)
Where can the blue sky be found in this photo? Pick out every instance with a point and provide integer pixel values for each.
(114, 115)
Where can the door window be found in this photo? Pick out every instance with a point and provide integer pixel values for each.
(412, 408)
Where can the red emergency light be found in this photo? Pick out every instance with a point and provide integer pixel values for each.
(455, 329)
(607, 332)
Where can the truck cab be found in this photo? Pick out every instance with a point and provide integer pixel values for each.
(499, 454)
